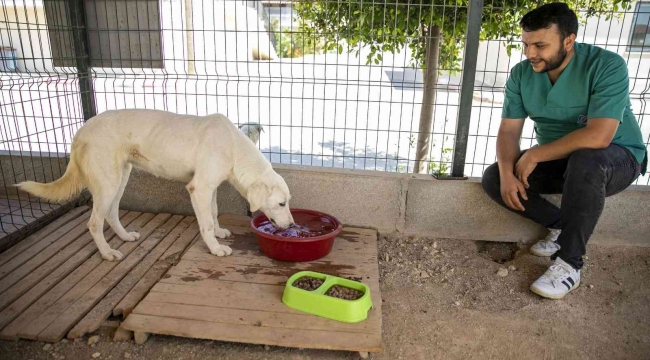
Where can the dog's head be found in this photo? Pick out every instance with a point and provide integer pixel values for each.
(270, 194)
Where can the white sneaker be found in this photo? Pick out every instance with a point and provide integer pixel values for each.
(557, 281)
(548, 245)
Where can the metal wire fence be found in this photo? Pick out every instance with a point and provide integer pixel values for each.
(336, 83)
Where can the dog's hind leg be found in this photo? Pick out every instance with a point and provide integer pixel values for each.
(103, 194)
(202, 196)
(218, 231)
(113, 218)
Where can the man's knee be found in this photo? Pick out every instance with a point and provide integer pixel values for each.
(491, 181)
(586, 162)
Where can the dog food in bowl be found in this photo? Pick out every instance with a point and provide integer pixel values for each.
(310, 239)
(312, 227)
(308, 283)
(344, 293)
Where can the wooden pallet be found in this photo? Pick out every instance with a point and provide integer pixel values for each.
(238, 298)
(55, 283)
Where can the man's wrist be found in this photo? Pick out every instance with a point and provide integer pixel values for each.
(534, 154)
(507, 170)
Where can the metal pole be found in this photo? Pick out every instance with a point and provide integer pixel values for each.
(82, 58)
(473, 31)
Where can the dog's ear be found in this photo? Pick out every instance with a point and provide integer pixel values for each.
(257, 194)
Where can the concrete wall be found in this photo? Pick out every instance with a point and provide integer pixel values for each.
(407, 203)
(388, 202)
(30, 166)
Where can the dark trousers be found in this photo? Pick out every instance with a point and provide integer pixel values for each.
(584, 179)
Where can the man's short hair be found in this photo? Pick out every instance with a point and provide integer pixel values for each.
(554, 13)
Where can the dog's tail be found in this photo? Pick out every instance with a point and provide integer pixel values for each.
(64, 188)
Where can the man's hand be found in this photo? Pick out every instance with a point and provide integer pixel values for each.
(525, 166)
(510, 188)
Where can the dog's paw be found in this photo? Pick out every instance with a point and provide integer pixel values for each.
(221, 250)
(221, 233)
(132, 236)
(113, 255)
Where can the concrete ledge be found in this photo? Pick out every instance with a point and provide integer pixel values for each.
(461, 210)
(388, 202)
(407, 203)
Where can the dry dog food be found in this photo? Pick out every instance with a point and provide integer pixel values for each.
(343, 292)
(308, 283)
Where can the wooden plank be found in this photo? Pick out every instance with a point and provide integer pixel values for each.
(53, 278)
(57, 240)
(8, 228)
(33, 329)
(34, 238)
(43, 251)
(25, 204)
(69, 282)
(45, 269)
(57, 329)
(230, 298)
(204, 292)
(227, 317)
(239, 298)
(330, 340)
(209, 272)
(16, 219)
(168, 259)
(333, 259)
(103, 310)
(24, 211)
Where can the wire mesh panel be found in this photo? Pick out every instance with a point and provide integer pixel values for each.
(335, 96)
(40, 108)
(363, 84)
(334, 83)
(39, 117)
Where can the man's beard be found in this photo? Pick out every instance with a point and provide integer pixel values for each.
(556, 61)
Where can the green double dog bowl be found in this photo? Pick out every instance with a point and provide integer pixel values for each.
(317, 303)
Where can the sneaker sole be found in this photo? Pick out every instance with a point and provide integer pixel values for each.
(541, 292)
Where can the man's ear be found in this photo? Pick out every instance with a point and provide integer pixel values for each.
(569, 41)
(257, 194)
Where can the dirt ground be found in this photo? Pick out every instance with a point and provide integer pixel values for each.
(443, 299)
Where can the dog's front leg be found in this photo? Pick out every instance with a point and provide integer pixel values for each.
(218, 231)
(201, 197)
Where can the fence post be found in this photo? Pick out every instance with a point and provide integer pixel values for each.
(473, 30)
(82, 57)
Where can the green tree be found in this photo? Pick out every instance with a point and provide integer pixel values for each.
(433, 31)
(292, 43)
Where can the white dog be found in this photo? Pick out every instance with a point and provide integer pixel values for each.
(200, 151)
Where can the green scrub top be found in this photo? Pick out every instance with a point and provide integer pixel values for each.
(594, 84)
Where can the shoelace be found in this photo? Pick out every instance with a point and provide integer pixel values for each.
(555, 273)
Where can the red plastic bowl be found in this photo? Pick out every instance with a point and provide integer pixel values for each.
(297, 249)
